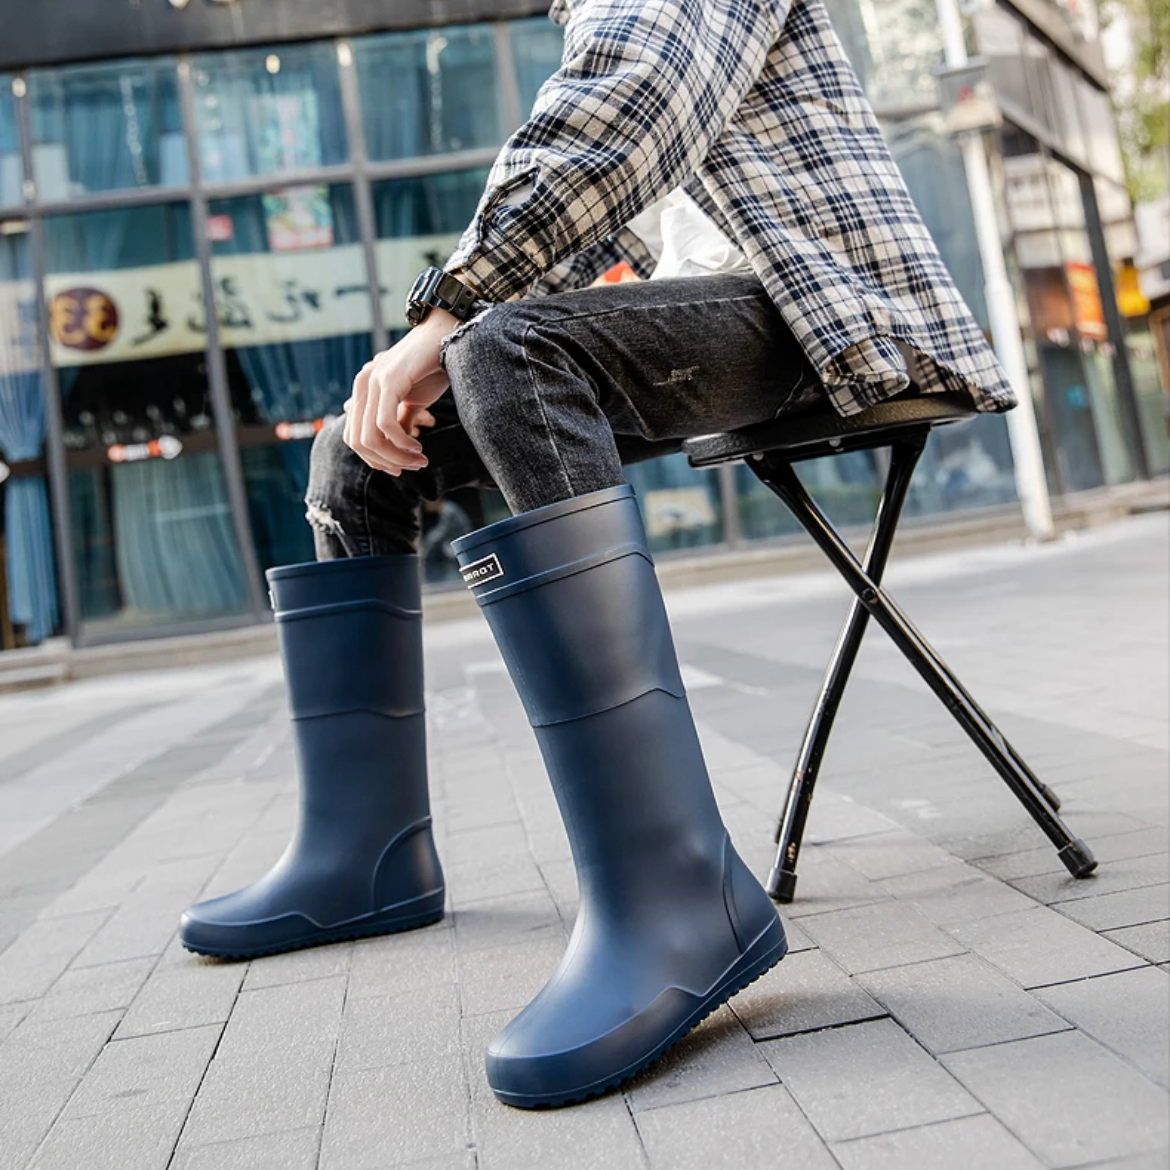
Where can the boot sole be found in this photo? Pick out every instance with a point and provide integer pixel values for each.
(745, 972)
(368, 929)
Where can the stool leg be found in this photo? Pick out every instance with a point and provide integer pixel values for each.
(781, 478)
(781, 884)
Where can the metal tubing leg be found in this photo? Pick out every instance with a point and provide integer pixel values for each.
(782, 479)
(781, 884)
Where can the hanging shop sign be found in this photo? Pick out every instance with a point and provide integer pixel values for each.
(1088, 311)
(263, 298)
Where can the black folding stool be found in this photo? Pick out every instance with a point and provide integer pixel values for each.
(902, 424)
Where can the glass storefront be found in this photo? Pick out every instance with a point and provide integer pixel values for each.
(299, 188)
(152, 532)
(98, 128)
(1057, 149)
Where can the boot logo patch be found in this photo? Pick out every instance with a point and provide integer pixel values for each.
(482, 571)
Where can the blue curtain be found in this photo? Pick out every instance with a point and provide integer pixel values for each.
(28, 535)
(175, 547)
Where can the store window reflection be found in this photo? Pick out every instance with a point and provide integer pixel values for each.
(1080, 408)
(295, 324)
(680, 505)
(893, 47)
(11, 168)
(268, 111)
(106, 128)
(847, 487)
(418, 222)
(537, 46)
(28, 588)
(429, 92)
(152, 531)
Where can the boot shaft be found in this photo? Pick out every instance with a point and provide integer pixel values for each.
(350, 635)
(572, 598)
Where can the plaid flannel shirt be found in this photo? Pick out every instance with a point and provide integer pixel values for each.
(753, 108)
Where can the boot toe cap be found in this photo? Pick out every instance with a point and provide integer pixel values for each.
(527, 1067)
(223, 928)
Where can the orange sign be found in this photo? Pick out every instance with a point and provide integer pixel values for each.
(1088, 311)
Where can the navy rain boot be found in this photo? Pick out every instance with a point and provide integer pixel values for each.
(362, 860)
(672, 923)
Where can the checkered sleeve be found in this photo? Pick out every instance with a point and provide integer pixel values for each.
(644, 89)
(584, 268)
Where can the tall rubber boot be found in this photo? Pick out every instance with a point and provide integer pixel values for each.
(362, 860)
(672, 923)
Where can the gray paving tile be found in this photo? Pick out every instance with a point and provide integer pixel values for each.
(10, 1017)
(717, 1058)
(882, 934)
(806, 991)
(410, 1027)
(1128, 908)
(86, 990)
(956, 894)
(144, 923)
(1068, 1099)
(142, 1137)
(386, 1116)
(518, 918)
(292, 1150)
(507, 977)
(967, 1143)
(890, 854)
(1130, 873)
(1129, 1013)
(41, 1062)
(36, 960)
(757, 1128)
(1116, 847)
(299, 966)
(598, 1135)
(826, 884)
(144, 1072)
(959, 1002)
(1040, 946)
(271, 1070)
(400, 962)
(892, 1083)
(196, 993)
(1151, 940)
(253, 1100)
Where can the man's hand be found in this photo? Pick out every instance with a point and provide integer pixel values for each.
(391, 395)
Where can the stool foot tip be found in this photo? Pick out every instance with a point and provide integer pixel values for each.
(781, 885)
(1078, 858)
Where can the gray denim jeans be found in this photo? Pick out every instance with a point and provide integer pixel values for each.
(550, 396)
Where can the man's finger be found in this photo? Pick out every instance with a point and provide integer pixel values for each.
(354, 415)
(386, 417)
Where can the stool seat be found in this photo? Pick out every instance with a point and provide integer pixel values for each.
(825, 432)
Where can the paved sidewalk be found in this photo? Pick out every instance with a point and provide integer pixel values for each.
(952, 998)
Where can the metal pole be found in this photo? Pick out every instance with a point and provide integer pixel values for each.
(362, 193)
(68, 585)
(1023, 433)
(217, 379)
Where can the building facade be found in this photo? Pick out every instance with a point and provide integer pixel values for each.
(210, 213)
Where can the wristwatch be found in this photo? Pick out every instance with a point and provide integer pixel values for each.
(434, 287)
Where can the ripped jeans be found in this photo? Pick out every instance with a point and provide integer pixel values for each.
(550, 396)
